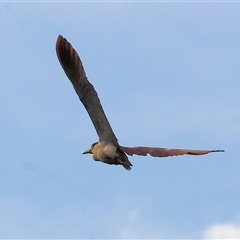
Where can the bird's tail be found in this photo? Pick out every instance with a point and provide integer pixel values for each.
(122, 159)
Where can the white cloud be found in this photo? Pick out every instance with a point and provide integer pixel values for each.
(223, 231)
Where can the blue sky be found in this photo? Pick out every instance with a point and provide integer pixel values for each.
(167, 75)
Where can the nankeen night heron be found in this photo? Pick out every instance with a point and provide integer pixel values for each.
(107, 149)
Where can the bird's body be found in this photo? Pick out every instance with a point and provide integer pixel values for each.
(107, 149)
(109, 153)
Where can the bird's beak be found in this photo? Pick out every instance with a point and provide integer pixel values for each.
(87, 151)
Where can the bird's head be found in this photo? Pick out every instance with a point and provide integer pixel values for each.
(90, 150)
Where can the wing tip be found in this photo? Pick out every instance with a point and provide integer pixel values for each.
(218, 150)
(60, 39)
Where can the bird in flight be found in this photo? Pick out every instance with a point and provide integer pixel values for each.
(107, 149)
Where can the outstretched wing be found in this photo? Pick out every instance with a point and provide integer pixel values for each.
(164, 152)
(74, 70)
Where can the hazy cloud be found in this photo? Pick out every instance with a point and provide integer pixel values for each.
(223, 231)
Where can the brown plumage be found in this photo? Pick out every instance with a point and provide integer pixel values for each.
(107, 149)
(164, 152)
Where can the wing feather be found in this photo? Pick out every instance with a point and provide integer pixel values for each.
(72, 65)
(164, 152)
